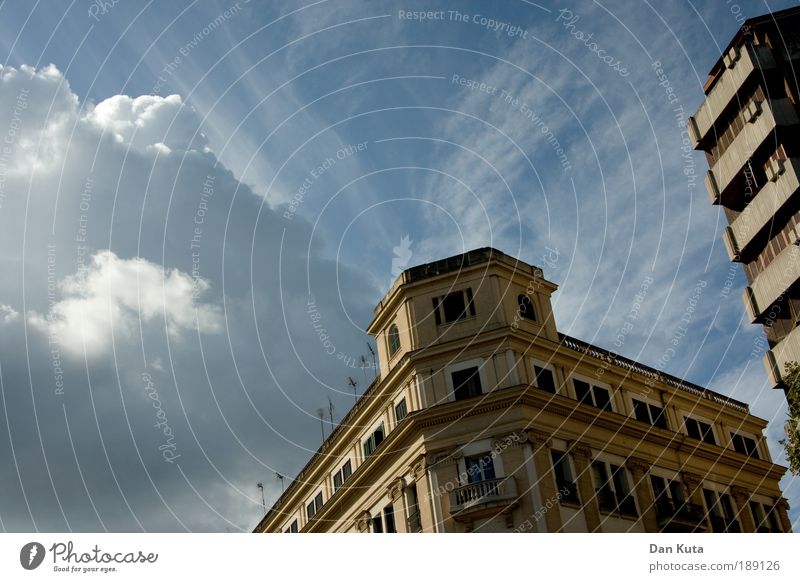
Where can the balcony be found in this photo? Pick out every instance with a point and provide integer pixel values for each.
(607, 502)
(414, 522)
(770, 283)
(757, 215)
(491, 493)
(750, 58)
(767, 116)
(679, 516)
(787, 350)
(568, 493)
(724, 525)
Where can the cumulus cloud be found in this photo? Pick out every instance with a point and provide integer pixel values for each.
(115, 295)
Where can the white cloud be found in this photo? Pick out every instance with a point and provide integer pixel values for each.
(7, 313)
(114, 294)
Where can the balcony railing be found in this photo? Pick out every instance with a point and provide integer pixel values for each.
(568, 493)
(482, 493)
(724, 525)
(679, 515)
(607, 501)
(414, 522)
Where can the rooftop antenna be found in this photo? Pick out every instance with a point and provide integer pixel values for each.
(321, 414)
(371, 351)
(364, 367)
(353, 384)
(263, 502)
(279, 476)
(330, 410)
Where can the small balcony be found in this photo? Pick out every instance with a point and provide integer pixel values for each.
(766, 116)
(782, 272)
(787, 350)
(483, 495)
(724, 525)
(568, 493)
(607, 502)
(414, 522)
(741, 64)
(679, 516)
(757, 216)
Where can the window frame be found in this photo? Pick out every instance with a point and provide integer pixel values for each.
(549, 368)
(571, 484)
(341, 475)
(459, 367)
(698, 419)
(521, 298)
(650, 404)
(404, 402)
(612, 483)
(592, 385)
(755, 454)
(393, 333)
(468, 312)
(379, 426)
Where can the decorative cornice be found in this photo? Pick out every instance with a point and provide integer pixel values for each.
(739, 493)
(581, 450)
(691, 480)
(362, 521)
(539, 439)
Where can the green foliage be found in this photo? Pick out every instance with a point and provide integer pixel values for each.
(791, 443)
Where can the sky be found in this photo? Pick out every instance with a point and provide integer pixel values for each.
(188, 187)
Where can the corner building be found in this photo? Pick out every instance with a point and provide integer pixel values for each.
(749, 128)
(485, 418)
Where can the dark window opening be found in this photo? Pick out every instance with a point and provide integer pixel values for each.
(544, 379)
(649, 413)
(453, 306)
(388, 519)
(565, 483)
(744, 445)
(372, 442)
(526, 308)
(592, 395)
(466, 383)
(700, 430)
(479, 468)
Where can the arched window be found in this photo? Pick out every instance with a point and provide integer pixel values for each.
(394, 340)
(526, 307)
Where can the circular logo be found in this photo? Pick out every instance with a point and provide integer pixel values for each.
(31, 555)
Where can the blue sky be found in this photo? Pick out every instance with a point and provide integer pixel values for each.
(262, 154)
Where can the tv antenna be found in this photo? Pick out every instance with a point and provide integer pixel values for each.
(263, 502)
(353, 385)
(330, 411)
(371, 351)
(321, 414)
(279, 476)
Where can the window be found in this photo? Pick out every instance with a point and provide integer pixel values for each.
(342, 475)
(764, 517)
(720, 512)
(744, 445)
(526, 308)
(292, 528)
(453, 306)
(649, 413)
(697, 429)
(592, 395)
(400, 410)
(314, 506)
(388, 519)
(394, 340)
(414, 521)
(479, 468)
(466, 383)
(544, 379)
(612, 489)
(668, 497)
(377, 524)
(372, 442)
(565, 482)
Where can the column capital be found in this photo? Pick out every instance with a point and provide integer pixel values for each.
(739, 493)
(539, 438)
(691, 480)
(782, 503)
(362, 521)
(417, 468)
(637, 465)
(395, 488)
(581, 450)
